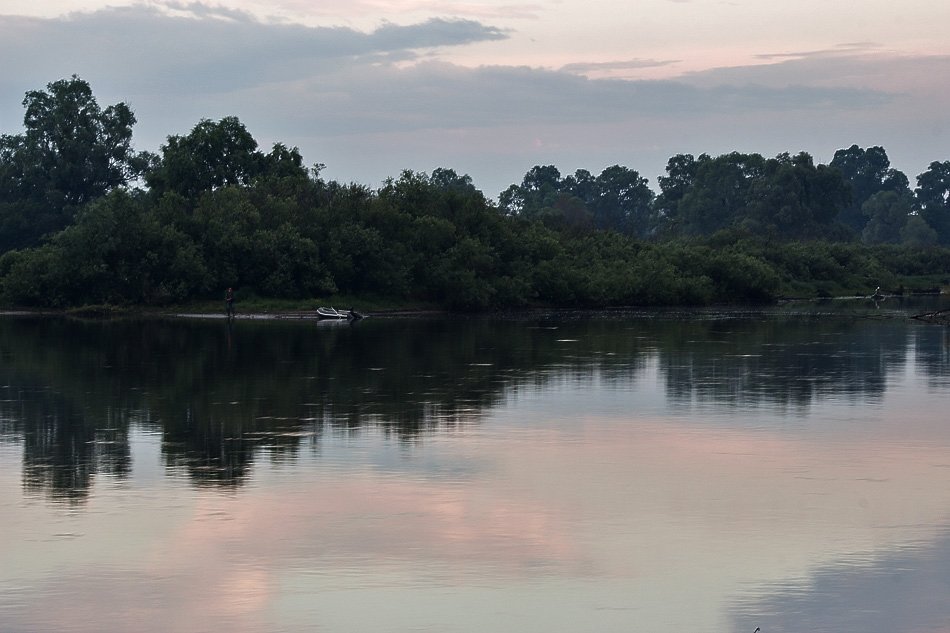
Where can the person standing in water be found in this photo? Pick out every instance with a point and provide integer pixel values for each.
(229, 302)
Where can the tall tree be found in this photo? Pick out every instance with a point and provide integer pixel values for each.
(622, 201)
(679, 180)
(933, 196)
(867, 171)
(71, 153)
(888, 213)
(581, 185)
(449, 180)
(539, 190)
(795, 199)
(619, 199)
(212, 155)
(216, 154)
(719, 194)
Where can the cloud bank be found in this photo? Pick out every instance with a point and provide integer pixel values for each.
(371, 103)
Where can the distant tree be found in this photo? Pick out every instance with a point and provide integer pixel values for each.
(888, 213)
(795, 199)
(619, 199)
(216, 154)
(283, 162)
(679, 180)
(786, 197)
(568, 212)
(450, 180)
(868, 172)
(622, 201)
(581, 185)
(212, 155)
(542, 179)
(917, 233)
(933, 196)
(71, 153)
(538, 190)
(444, 194)
(718, 195)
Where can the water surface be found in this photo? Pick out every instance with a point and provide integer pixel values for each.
(558, 474)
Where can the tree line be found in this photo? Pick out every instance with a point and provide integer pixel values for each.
(86, 219)
(857, 197)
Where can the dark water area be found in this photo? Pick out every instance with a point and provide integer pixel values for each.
(718, 471)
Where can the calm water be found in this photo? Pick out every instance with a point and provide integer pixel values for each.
(560, 474)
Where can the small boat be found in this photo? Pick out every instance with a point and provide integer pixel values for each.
(333, 313)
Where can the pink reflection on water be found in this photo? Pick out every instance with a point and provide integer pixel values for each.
(688, 506)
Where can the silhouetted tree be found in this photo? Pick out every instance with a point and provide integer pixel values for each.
(867, 171)
(71, 152)
(933, 196)
(887, 213)
(216, 154)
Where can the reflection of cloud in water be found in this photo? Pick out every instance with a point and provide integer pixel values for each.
(216, 600)
(646, 519)
(222, 566)
(905, 590)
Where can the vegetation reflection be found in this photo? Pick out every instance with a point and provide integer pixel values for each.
(222, 395)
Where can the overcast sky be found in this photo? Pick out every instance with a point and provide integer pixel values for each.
(491, 87)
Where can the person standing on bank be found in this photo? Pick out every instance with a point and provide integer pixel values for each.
(229, 302)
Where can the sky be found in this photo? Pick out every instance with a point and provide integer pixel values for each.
(491, 88)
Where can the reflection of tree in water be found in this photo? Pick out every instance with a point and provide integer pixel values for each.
(65, 442)
(222, 396)
(62, 449)
(58, 447)
(932, 353)
(282, 384)
(787, 363)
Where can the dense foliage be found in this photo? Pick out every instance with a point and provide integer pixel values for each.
(86, 220)
(71, 153)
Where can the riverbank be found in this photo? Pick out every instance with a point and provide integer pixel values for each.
(927, 308)
(915, 290)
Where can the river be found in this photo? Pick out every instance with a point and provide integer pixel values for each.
(787, 469)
